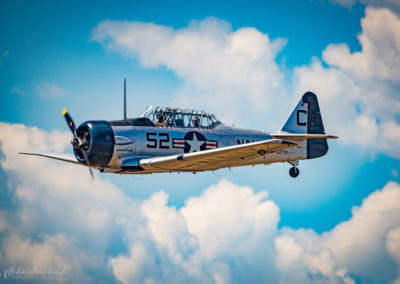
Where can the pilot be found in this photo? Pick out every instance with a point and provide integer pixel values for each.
(195, 121)
(160, 120)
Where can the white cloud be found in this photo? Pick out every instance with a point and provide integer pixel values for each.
(393, 248)
(227, 234)
(53, 252)
(57, 207)
(192, 244)
(380, 55)
(288, 251)
(259, 218)
(133, 268)
(50, 90)
(220, 68)
(356, 247)
(362, 237)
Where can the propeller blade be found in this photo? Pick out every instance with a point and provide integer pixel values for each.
(70, 122)
(87, 163)
(91, 173)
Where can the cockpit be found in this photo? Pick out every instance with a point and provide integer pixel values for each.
(176, 117)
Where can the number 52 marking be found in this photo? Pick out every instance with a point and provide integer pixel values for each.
(162, 143)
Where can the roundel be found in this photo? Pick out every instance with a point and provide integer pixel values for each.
(194, 142)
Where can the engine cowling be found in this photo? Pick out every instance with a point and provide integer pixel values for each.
(97, 141)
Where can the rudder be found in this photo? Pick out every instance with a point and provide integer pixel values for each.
(315, 147)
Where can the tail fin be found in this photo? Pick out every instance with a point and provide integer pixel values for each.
(306, 119)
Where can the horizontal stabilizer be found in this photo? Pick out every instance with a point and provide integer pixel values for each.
(298, 137)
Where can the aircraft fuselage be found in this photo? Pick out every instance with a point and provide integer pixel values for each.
(133, 143)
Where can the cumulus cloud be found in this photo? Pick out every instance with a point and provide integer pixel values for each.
(55, 212)
(193, 246)
(380, 55)
(356, 247)
(58, 217)
(393, 248)
(220, 67)
(50, 90)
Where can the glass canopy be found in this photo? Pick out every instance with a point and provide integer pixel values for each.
(176, 117)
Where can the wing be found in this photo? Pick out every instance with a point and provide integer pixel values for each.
(57, 156)
(215, 158)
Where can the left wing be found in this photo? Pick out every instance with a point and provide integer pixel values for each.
(57, 156)
(215, 158)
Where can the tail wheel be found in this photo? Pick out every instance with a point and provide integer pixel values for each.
(294, 172)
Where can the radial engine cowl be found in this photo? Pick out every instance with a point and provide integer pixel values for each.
(97, 141)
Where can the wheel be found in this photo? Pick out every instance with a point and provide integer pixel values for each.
(294, 172)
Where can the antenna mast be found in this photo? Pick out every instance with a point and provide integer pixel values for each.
(124, 98)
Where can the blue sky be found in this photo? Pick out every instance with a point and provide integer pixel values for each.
(65, 54)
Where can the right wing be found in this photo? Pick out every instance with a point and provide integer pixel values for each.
(57, 156)
(215, 158)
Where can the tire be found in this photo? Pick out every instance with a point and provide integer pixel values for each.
(294, 172)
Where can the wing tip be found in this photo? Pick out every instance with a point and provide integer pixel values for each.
(64, 111)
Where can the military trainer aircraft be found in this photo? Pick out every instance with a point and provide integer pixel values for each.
(165, 139)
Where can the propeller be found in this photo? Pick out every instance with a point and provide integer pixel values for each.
(77, 142)
(70, 122)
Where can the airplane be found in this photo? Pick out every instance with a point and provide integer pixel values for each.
(166, 139)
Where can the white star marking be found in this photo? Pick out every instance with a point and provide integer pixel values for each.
(195, 144)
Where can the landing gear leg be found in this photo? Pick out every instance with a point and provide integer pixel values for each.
(294, 172)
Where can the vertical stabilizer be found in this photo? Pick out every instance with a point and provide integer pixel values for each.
(306, 119)
(124, 98)
(297, 122)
